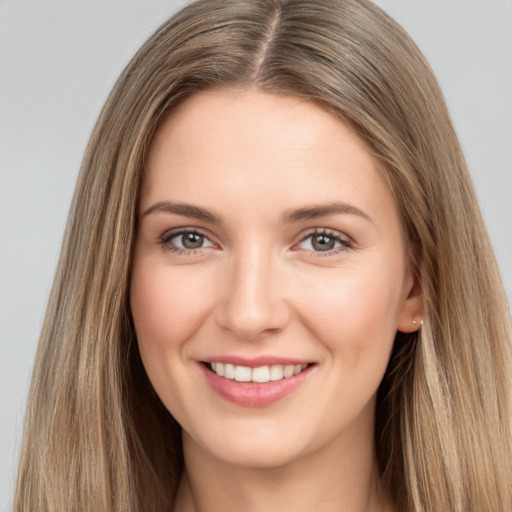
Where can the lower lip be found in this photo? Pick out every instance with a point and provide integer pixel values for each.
(254, 394)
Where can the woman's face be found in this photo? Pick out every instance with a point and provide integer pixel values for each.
(269, 244)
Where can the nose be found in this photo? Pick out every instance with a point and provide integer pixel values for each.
(254, 304)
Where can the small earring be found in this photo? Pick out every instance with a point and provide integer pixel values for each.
(421, 323)
(414, 322)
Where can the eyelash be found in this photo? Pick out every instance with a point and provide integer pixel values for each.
(165, 241)
(345, 244)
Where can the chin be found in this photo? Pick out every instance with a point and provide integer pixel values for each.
(256, 455)
(253, 446)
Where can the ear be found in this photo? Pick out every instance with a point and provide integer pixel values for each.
(410, 314)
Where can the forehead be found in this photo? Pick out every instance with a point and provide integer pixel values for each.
(261, 150)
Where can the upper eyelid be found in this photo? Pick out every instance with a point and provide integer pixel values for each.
(173, 232)
(325, 231)
(164, 240)
(346, 243)
(185, 229)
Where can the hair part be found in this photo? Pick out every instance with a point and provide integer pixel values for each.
(97, 437)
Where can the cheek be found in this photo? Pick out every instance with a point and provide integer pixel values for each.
(167, 309)
(165, 306)
(353, 314)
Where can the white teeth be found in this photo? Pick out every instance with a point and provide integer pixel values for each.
(229, 371)
(260, 374)
(242, 374)
(288, 370)
(276, 372)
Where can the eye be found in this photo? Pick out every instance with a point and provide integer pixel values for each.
(324, 241)
(186, 240)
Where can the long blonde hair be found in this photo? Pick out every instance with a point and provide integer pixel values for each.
(97, 439)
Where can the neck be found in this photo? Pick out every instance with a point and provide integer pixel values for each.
(340, 476)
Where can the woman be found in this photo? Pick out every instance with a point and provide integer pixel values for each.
(273, 184)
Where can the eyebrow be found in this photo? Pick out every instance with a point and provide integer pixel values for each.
(290, 216)
(185, 210)
(315, 211)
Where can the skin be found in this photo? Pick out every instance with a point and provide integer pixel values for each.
(259, 286)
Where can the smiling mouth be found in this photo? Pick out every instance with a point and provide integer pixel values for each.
(260, 374)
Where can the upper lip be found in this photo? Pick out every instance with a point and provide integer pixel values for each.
(255, 362)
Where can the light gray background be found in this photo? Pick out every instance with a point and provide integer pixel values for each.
(58, 61)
